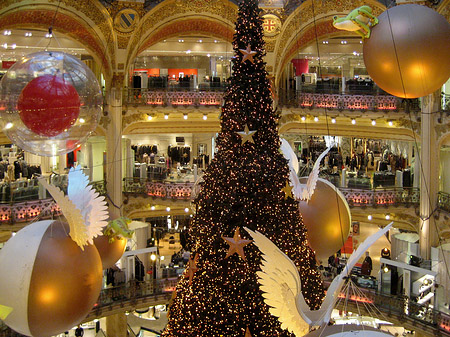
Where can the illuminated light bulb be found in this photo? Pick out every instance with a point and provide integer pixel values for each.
(316, 119)
(369, 217)
(185, 116)
(385, 269)
(353, 121)
(387, 217)
(205, 117)
(9, 125)
(168, 209)
(166, 116)
(149, 117)
(153, 257)
(390, 123)
(374, 122)
(303, 118)
(162, 258)
(82, 120)
(333, 120)
(186, 209)
(153, 208)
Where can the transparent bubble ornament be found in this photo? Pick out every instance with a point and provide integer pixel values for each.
(50, 103)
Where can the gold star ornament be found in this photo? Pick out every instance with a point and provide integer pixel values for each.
(192, 267)
(248, 54)
(246, 135)
(236, 244)
(287, 191)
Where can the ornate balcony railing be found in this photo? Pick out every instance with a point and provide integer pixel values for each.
(195, 98)
(395, 196)
(159, 189)
(444, 201)
(348, 102)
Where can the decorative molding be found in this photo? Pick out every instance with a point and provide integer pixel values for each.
(104, 122)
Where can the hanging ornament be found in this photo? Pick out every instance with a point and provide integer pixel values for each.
(236, 244)
(48, 281)
(50, 270)
(52, 103)
(248, 54)
(408, 52)
(192, 267)
(281, 282)
(287, 191)
(48, 105)
(327, 218)
(247, 135)
(111, 245)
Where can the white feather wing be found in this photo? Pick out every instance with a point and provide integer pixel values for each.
(289, 154)
(93, 207)
(78, 231)
(313, 176)
(280, 283)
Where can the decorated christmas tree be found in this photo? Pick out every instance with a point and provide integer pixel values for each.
(246, 185)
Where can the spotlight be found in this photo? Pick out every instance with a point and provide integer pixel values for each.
(353, 121)
(333, 120)
(369, 217)
(374, 122)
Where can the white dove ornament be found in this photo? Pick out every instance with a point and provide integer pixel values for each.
(85, 210)
(299, 190)
(281, 284)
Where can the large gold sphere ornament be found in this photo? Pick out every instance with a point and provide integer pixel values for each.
(47, 280)
(327, 219)
(110, 252)
(408, 52)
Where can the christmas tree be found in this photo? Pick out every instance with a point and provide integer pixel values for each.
(246, 185)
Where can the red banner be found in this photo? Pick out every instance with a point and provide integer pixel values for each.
(7, 64)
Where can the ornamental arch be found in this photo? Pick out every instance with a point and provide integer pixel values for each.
(86, 22)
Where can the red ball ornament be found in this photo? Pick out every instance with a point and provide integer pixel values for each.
(48, 105)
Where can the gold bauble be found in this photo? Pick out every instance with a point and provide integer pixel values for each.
(326, 233)
(47, 279)
(110, 252)
(408, 52)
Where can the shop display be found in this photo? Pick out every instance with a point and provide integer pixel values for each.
(408, 52)
(53, 106)
(327, 217)
(280, 281)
